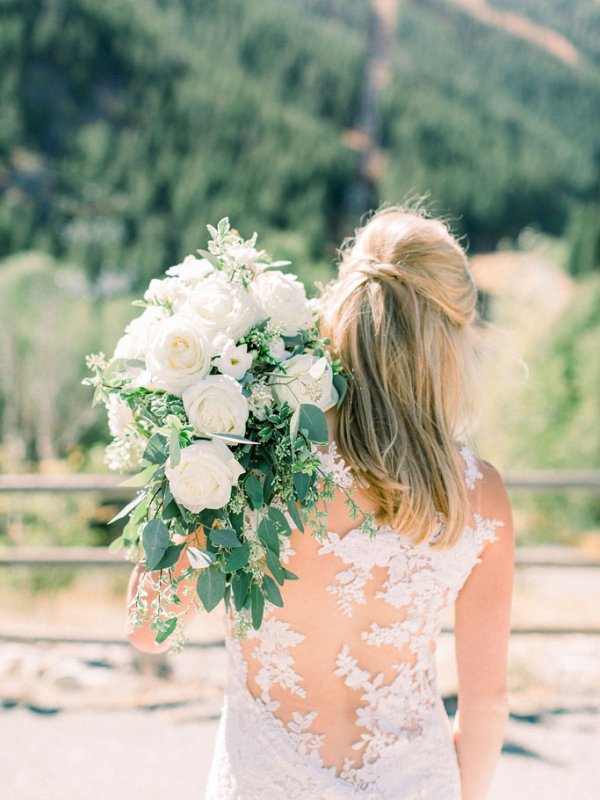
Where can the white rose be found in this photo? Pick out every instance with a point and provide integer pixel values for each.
(168, 291)
(234, 360)
(308, 379)
(192, 270)
(119, 416)
(216, 405)
(178, 353)
(134, 343)
(204, 476)
(277, 350)
(282, 298)
(222, 306)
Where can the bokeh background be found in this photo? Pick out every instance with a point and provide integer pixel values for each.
(125, 127)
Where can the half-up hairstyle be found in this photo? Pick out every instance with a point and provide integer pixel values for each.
(401, 317)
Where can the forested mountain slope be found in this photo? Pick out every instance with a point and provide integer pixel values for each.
(125, 126)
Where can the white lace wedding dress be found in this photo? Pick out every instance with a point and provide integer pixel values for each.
(336, 697)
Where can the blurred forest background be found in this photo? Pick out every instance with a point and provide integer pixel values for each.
(125, 127)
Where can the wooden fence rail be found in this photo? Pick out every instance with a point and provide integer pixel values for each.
(528, 481)
(545, 557)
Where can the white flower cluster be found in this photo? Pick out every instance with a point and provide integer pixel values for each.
(192, 342)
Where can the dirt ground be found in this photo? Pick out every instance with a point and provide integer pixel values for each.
(153, 755)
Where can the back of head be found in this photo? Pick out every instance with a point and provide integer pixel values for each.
(401, 319)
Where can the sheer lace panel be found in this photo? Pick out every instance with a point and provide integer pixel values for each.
(345, 670)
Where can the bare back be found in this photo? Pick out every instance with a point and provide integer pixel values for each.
(342, 678)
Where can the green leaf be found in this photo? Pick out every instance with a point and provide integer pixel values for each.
(275, 567)
(174, 449)
(302, 485)
(267, 533)
(290, 576)
(116, 545)
(226, 537)
(155, 539)
(257, 605)
(240, 585)
(129, 507)
(272, 592)
(309, 420)
(294, 513)
(254, 490)
(170, 557)
(156, 449)
(142, 478)
(237, 521)
(277, 517)
(238, 559)
(166, 631)
(341, 384)
(211, 587)
(130, 532)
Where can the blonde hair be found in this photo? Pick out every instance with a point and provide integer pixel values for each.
(401, 317)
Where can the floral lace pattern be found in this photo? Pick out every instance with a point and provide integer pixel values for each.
(388, 601)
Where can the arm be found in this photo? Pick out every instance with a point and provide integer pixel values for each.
(482, 630)
(143, 638)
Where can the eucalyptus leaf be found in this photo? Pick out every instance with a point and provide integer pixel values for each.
(170, 557)
(211, 587)
(301, 485)
(289, 576)
(142, 478)
(294, 513)
(267, 533)
(309, 420)
(254, 490)
(155, 538)
(275, 567)
(156, 449)
(277, 517)
(129, 507)
(238, 559)
(271, 591)
(116, 545)
(257, 605)
(341, 384)
(240, 585)
(226, 537)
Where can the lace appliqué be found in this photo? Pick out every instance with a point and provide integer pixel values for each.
(334, 465)
(472, 471)
(276, 663)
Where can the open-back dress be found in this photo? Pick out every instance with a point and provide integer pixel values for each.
(335, 697)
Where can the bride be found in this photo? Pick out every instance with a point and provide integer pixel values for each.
(335, 696)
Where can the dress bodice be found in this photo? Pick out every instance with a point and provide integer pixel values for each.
(344, 674)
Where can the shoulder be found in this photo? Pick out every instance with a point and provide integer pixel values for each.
(490, 504)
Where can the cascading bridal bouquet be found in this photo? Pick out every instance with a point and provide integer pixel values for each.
(217, 393)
